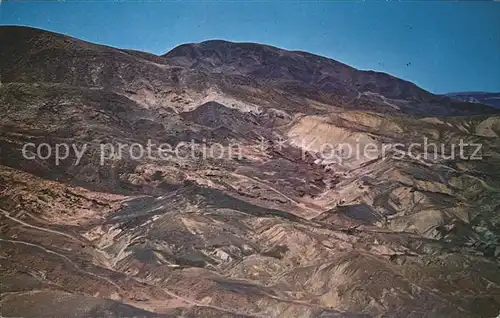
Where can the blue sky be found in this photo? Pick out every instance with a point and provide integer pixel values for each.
(452, 46)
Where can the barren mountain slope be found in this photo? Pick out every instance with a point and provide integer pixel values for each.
(486, 98)
(269, 224)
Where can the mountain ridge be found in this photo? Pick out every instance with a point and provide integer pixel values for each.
(331, 77)
(487, 98)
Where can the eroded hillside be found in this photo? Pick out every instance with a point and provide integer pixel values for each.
(271, 223)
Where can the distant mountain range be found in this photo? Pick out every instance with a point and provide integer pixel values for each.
(486, 98)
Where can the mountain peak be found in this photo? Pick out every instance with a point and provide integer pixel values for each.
(259, 73)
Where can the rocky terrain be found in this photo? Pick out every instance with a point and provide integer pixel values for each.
(269, 224)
